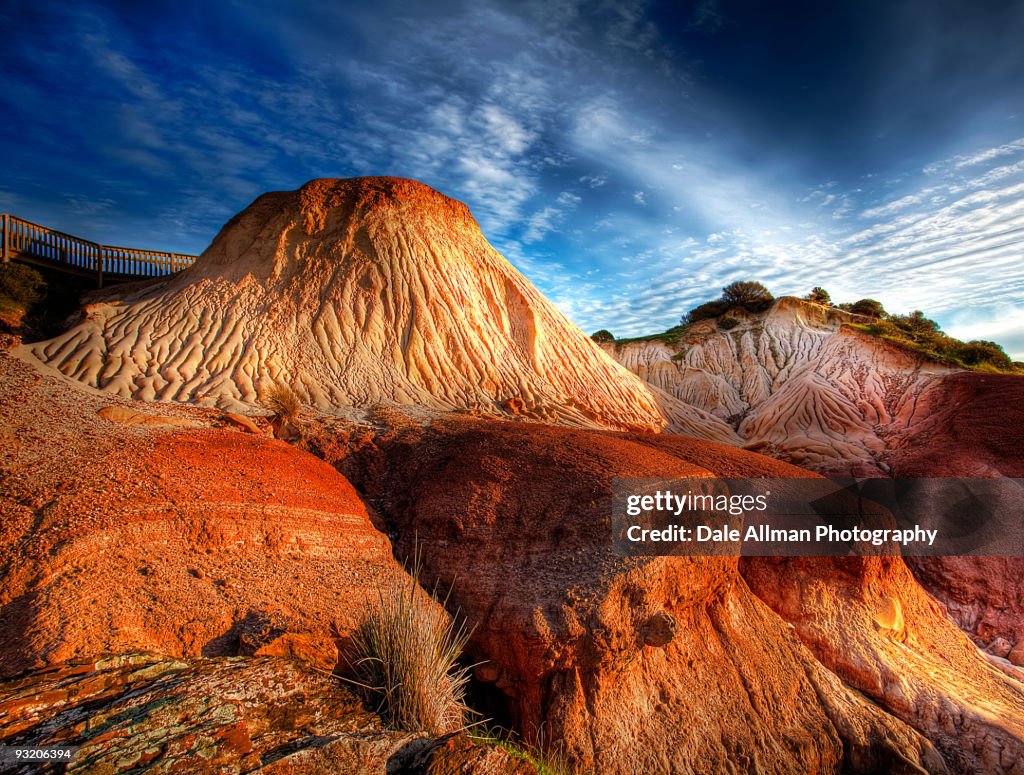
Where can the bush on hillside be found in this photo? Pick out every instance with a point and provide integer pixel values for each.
(743, 294)
(705, 311)
(819, 296)
(869, 308)
(748, 294)
(20, 287)
(603, 336)
(21, 284)
(979, 352)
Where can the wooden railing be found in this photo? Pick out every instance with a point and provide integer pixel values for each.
(29, 242)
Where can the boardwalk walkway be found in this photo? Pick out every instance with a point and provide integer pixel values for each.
(30, 243)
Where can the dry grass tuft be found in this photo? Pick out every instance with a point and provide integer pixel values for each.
(283, 402)
(405, 655)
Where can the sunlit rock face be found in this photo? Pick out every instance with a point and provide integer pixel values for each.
(795, 382)
(677, 664)
(801, 386)
(181, 535)
(359, 292)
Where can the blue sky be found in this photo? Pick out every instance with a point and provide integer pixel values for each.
(630, 158)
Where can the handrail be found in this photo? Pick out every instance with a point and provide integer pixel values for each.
(65, 251)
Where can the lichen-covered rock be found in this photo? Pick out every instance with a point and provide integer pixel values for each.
(230, 715)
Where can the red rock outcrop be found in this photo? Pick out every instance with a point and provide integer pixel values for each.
(632, 665)
(802, 387)
(970, 425)
(184, 541)
(869, 622)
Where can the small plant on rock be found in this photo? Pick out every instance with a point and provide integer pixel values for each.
(283, 402)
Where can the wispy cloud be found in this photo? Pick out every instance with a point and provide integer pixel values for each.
(593, 156)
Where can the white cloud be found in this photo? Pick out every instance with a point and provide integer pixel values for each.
(952, 249)
(884, 211)
(540, 223)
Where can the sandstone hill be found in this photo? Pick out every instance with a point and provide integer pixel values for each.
(795, 382)
(355, 293)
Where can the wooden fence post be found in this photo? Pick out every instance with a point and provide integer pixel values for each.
(7, 237)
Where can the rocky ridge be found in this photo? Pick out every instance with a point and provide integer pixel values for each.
(795, 382)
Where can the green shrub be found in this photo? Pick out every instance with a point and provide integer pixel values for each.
(727, 324)
(405, 655)
(819, 296)
(979, 352)
(743, 294)
(546, 762)
(916, 324)
(21, 284)
(603, 336)
(705, 311)
(922, 336)
(747, 294)
(869, 308)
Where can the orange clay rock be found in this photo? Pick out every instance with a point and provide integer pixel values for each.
(185, 542)
(869, 622)
(969, 425)
(354, 293)
(624, 665)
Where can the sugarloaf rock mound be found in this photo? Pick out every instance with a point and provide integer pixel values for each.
(355, 293)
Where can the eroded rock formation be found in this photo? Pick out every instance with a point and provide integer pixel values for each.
(174, 537)
(354, 293)
(665, 664)
(797, 384)
(800, 386)
(969, 425)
